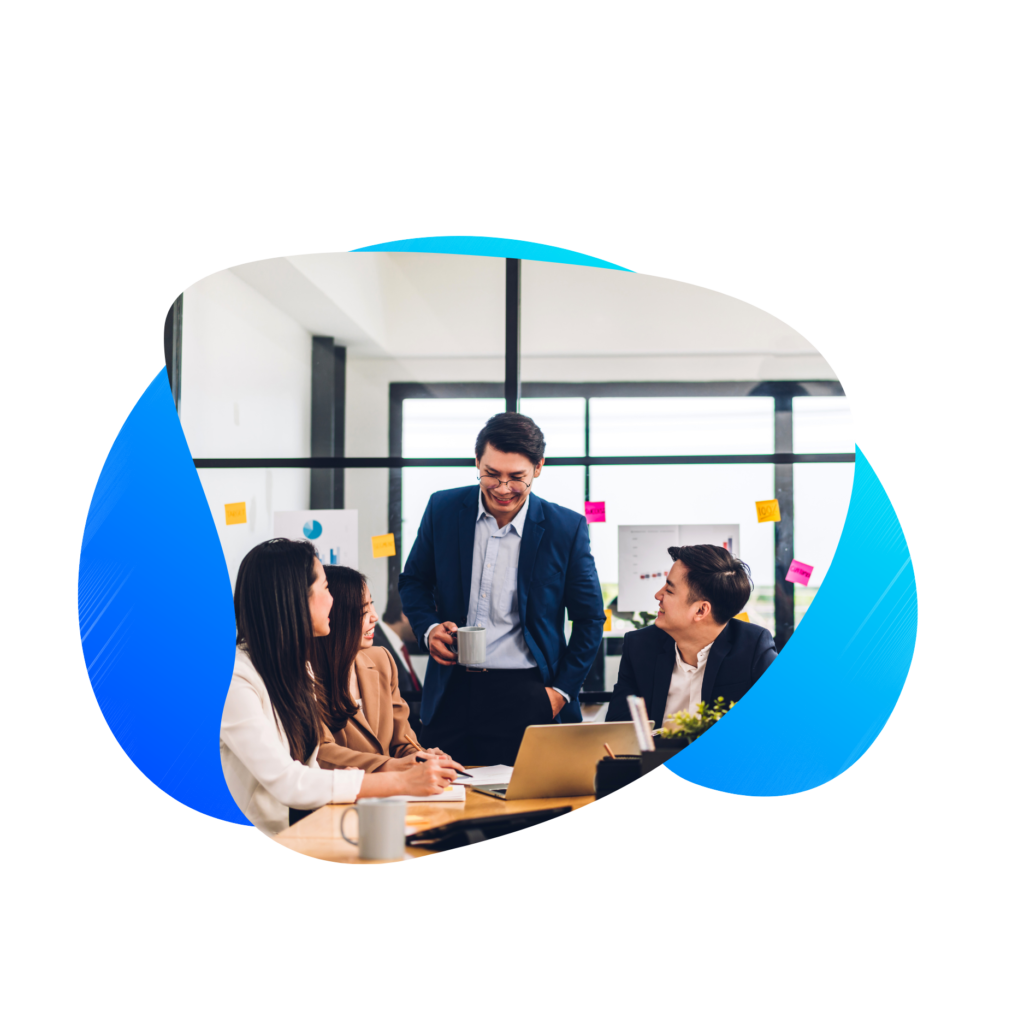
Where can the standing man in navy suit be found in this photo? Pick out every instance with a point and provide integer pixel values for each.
(695, 651)
(502, 557)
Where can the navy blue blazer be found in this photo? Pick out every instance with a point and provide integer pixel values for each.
(737, 659)
(556, 574)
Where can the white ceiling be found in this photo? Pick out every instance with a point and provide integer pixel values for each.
(415, 305)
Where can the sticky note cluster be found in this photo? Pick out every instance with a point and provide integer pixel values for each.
(384, 545)
(607, 620)
(799, 572)
(594, 511)
(768, 511)
(234, 513)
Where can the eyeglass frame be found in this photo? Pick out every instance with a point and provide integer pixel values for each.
(511, 483)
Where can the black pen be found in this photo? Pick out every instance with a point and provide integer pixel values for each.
(465, 775)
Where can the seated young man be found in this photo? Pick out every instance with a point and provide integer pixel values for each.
(695, 651)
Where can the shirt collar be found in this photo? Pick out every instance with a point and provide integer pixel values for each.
(702, 657)
(516, 524)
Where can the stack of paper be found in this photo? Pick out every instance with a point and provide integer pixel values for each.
(449, 795)
(490, 775)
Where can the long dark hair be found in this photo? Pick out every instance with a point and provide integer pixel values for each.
(275, 628)
(336, 652)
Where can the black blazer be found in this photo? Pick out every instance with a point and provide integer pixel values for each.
(737, 659)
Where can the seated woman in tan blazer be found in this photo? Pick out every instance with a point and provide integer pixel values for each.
(364, 711)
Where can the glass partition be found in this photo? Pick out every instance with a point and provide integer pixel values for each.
(670, 403)
(674, 495)
(821, 497)
(822, 423)
(682, 426)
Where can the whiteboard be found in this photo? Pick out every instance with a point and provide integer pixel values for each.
(644, 561)
(334, 532)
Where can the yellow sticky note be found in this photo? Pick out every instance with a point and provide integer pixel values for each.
(383, 545)
(607, 620)
(768, 511)
(234, 513)
(743, 617)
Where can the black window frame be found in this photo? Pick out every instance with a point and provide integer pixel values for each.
(328, 412)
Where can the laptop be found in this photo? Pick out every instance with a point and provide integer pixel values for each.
(561, 760)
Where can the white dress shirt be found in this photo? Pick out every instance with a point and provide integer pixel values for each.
(494, 594)
(262, 776)
(687, 680)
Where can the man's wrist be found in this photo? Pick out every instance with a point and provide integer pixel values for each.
(426, 636)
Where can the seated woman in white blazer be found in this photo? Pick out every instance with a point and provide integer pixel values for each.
(365, 713)
(272, 726)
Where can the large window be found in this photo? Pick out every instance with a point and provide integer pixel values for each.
(669, 403)
(657, 458)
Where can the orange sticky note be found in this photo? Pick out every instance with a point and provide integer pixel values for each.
(384, 545)
(234, 513)
(743, 617)
(607, 620)
(768, 511)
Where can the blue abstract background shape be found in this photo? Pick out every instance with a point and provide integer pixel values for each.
(155, 608)
(481, 245)
(832, 689)
(157, 621)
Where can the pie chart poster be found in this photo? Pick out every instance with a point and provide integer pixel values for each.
(333, 532)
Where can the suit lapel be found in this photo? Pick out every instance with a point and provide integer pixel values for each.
(664, 665)
(467, 533)
(718, 653)
(533, 534)
(368, 716)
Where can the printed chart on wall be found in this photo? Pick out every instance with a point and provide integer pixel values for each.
(333, 532)
(644, 560)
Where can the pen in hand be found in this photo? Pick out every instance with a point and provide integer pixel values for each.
(413, 742)
(456, 770)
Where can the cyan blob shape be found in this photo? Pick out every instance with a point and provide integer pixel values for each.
(832, 689)
(480, 245)
(155, 608)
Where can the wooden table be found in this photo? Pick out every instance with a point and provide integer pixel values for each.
(319, 834)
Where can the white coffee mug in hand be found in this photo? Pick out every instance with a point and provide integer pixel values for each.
(381, 828)
(471, 644)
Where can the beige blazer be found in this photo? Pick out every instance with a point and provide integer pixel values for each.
(380, 729)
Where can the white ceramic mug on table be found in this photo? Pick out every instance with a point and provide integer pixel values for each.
(381, 828)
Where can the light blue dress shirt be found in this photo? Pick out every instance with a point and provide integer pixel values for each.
(493, 593)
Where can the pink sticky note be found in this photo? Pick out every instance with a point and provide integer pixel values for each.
(594, 511)
(799, 572)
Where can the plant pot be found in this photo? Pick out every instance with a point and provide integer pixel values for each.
(663, 750)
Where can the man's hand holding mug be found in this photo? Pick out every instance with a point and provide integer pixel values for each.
(440, 643)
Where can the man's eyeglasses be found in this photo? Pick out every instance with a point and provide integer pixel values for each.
(490, 482)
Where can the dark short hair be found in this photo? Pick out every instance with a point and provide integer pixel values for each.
(715, 576)
(512, 432)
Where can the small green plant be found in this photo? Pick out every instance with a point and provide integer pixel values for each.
(641, 619)
(683, 725)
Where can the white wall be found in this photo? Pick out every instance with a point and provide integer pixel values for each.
(366, 434)
(245, 393)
